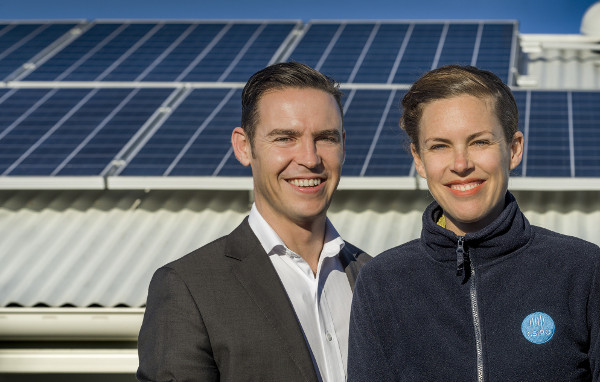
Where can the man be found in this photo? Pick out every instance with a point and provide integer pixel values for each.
(270, 301)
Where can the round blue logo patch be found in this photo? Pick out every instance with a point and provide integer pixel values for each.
(538, 328)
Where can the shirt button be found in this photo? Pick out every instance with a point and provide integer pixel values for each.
(328, 336)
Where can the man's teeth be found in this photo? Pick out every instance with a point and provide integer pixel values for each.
(464, 187)
(306, 182)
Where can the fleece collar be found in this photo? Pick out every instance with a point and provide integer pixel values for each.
(509, 233)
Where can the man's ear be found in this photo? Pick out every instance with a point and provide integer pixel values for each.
(241, 146)
(418, 162)
(343, 145)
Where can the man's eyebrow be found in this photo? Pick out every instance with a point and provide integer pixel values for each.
(287, 132)
(328, 133)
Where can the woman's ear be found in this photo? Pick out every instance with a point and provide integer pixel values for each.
(418, 162)
(516, 150)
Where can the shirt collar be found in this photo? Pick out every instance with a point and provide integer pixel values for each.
(272, 243)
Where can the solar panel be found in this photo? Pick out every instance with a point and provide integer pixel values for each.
(259, 53)
(39, 116)
(548, 152)
(379, 62)
(166, 52)
(104, 56)
(183, 131)
(586, 133)
(460, 44)
(207, 151)
(361, 122)
(97, 154)
(75, 54)
(313, 43)
(391, 152)
(495, 49)
(160, 153)
(148, 53)
(21, 42)
(388, 52)
(420, 53)
(241, 51)
(343, 55)
(71, 131)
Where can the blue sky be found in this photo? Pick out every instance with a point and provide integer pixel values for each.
(535, 16)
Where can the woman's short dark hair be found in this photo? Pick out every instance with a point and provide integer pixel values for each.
(277, 77)
(455, 80)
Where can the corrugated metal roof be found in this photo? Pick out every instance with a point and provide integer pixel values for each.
(563, 62)
(100, 248)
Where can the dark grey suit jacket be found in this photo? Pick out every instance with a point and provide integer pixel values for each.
(222, 313)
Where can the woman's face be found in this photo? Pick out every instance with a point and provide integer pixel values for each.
(466, 160)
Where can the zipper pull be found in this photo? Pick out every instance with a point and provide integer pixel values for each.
(460, 256)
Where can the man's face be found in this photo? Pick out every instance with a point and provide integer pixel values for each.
(297, 154)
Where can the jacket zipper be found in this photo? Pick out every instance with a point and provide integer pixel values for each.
(460, 259)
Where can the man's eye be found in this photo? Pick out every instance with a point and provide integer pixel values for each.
(437, 147)
(481, 142)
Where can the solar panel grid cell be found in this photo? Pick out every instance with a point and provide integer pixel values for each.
(168, 141)
(380, 58)
(72, 132)
(33, 128)
(348, 47)
(313, 43)
(459, 44)
(184, 53)
(18, 54)
(586, 127)
(134, 65)
(95, 67)
(12, 34)
(208, 149)
(361, 122)
(16, 105)
(420, 52)
(260, 53)
(548, 149)
(391, 156)
(76, 50)
(220, 56)
(98, 153)
(495, 49)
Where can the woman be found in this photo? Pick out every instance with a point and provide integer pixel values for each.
(482, 295)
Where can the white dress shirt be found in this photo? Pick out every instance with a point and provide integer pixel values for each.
(322, 301)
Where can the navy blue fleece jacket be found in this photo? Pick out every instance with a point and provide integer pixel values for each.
(512, 302)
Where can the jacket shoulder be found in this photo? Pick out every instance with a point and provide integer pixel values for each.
(212, 256)
(559, 241)
(395, 257)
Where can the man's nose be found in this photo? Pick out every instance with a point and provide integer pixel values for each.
(308, 154)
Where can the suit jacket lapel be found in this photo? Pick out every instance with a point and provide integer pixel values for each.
(258, 277)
